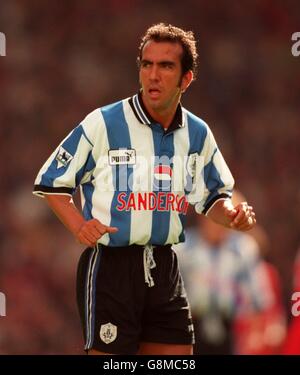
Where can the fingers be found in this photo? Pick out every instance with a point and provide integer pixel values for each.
(102, 229)
(90, 232)
(85, 240)
(231, 213)
(245, 218)
(111, 229)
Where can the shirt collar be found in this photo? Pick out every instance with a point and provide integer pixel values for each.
(144, 116)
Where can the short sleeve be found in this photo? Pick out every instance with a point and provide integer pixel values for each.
(71, 164)
(218, 180)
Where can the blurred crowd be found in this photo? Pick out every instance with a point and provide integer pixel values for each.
(65, 59)
(234, 291)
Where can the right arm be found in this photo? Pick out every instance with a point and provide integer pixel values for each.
(86, 232)
(72, 164)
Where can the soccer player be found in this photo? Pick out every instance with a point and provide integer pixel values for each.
(139, 163)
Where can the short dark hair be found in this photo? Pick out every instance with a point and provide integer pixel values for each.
(162, 32)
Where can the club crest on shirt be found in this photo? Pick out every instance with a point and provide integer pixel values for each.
(63, 157)
(108, 333)
(191, 164)
(121, 157)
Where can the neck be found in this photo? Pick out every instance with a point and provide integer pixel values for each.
(163, 116)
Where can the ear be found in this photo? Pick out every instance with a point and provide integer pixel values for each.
(186, 80)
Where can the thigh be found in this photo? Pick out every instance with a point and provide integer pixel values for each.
(167, 318)
(110, 289)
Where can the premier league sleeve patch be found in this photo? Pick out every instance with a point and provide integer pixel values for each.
(63, 157)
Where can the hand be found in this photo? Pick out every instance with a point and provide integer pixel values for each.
(91, 230)
(242, 217)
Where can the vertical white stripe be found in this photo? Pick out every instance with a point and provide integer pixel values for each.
(225, 174)
(68, 178)
(43, 169)
(79, 159)
(211, 153)
(207, 151)
(181, 150)
(103, 180)
(89, 126)
(139, 109)
(46, 166)
(142, 142)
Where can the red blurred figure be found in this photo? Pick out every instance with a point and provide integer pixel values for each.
(263, 332)
(292, 342)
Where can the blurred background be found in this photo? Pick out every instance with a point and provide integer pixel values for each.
(66, 58)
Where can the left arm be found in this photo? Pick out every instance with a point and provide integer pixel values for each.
(241, 217)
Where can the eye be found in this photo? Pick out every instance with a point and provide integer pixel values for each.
(145, 64)
(167, 65)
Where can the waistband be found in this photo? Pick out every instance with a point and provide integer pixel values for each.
(148, 256)
(134, 246)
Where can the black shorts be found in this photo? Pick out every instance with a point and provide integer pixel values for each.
(118, 309)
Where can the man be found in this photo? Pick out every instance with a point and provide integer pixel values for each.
(139, 163)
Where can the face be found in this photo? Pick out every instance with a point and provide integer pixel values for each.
(161, 76)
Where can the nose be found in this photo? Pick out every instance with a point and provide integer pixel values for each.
(154, 73)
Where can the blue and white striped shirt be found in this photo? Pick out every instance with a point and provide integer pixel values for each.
(136, 176)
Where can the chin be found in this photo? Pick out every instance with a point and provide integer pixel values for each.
(152, 104)
(155, 105)
(157, 108)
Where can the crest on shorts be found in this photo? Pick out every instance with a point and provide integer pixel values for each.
(108, 333)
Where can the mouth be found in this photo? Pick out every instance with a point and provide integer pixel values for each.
(154, 93)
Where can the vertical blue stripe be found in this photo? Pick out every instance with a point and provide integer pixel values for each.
(197, 131)
(139, 109)
(163, 147)
(88, 191)
(212, 179)
(182, 218)
(118, 138)
(87, 188)
(88, 166)
(197, 134)
(70, 145)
